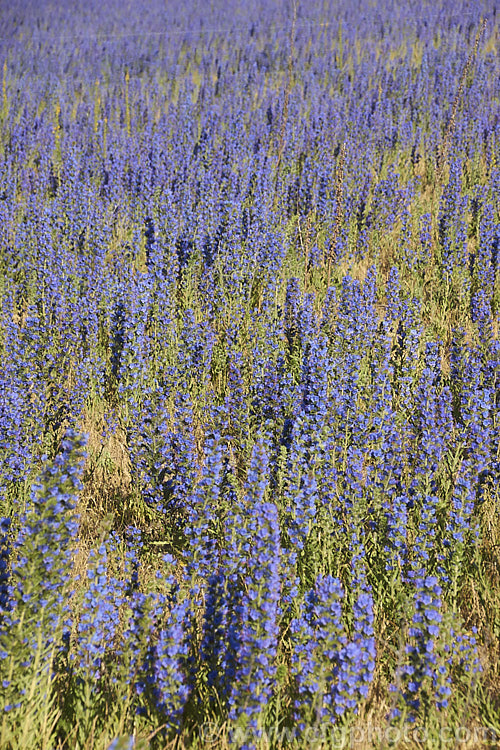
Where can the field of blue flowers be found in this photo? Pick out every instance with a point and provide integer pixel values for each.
(249, 374)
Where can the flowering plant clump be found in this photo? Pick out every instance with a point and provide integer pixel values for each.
(36, 584)
(319, 643)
